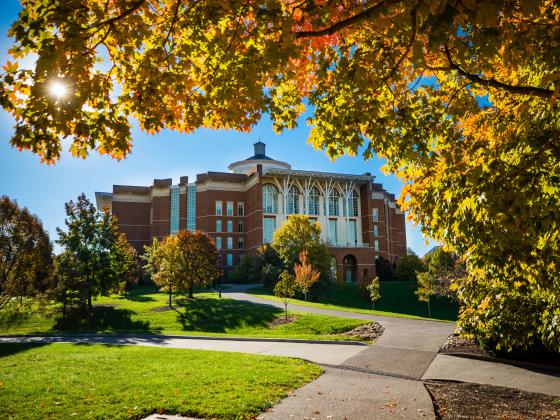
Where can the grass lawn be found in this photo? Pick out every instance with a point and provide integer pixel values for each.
(62, 381)
(397, 299)
(145, 311)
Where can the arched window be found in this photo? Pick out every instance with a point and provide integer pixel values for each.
(333, 203)
(270, 199)
(293, 201)
(313, 209)
(353, 203)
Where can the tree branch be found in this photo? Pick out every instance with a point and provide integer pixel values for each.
(517, 90)
(366, 14)
(137, 4)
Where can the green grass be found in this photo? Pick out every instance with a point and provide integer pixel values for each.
(205, 315)
(63, 381)
(397, 299)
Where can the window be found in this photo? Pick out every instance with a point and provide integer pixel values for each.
(269, 225)
(218, 225)
(293, 201)
(333, 203)
(174, 210)
(229, 259)
(376, 245)
(191, 207)
(229, 208)
(352, 232)
(240, 243)
(375, 230)
(352, 203)
(229, 243)
(240, 226)
(333, 236)
(240, 209)
(376, 215)
(218, 208)
(313, 202)
(230, 225)
(270, 199)
(219, 242)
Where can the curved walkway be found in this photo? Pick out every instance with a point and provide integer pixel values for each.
(385, 380)
(321, 352)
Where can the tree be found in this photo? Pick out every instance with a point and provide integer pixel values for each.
(88, 262)
(374, 291)
(162, 262)
(182, 261)
(124, 263)
(300, 234)
(426, 288)
(268, 266)
(245, 271)
(25, 255)
(407, 268)
(285, 289)
(199, 259)
(305, 274)
(459, 98)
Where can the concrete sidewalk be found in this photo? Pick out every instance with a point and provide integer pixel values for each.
(317, 352)
(456, 368)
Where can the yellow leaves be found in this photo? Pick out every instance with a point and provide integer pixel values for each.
(10, 67)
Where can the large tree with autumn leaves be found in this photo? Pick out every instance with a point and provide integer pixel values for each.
(459, 97)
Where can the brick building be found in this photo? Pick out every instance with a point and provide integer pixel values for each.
(241, 209)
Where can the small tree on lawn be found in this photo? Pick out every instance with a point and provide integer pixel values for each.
(426, 288)
(88, 246)
(25, 256)
(124, 262)
(305, 274)
(285, 289)
(199, 259)
(374, 291)
(162, 262)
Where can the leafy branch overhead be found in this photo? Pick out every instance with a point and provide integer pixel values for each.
(185, 64)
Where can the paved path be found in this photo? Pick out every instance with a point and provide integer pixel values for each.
(482, 372)
(323, 353)
(383, 381)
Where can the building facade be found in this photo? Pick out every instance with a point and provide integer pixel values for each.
(242, 208)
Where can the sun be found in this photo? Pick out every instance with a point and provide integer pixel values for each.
(58, 89)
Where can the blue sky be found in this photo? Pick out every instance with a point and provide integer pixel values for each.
(44, 189)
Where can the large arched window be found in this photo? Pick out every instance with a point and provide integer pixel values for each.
(333, 203)
(313, 204)
(270, 199)
(293, 201)
(352, 203)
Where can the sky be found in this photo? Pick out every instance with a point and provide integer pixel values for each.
(44, 189)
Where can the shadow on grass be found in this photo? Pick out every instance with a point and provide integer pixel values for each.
(140, 294)
(7, 349)
(221, 315)
(103, 319)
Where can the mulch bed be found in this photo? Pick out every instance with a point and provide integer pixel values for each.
(282, 321)
(367, 332)
(455, 400)
(455, 344)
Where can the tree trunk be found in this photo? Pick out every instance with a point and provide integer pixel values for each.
(286, 306)
(305, 295)
(429, 310)
(191, 296)
(170, 297)
(90, 306)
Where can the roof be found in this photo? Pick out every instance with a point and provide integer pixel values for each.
(325, 175)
